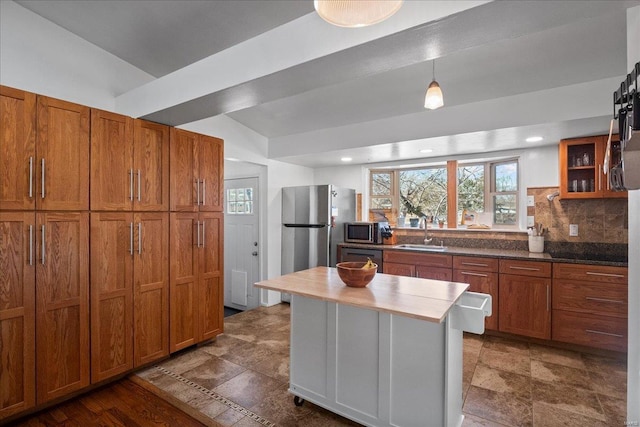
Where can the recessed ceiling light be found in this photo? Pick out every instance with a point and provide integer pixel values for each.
(232, 159)
(346, 159)
(534, 139)
(426, 150)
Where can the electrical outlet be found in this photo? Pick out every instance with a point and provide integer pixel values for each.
(573, 230)
(531, 201)
(530, 221)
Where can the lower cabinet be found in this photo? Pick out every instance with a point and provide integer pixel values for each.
(482, 276)
(524, 298)
(590, 305)
(62, 303)
(129, 269)
(412, 264)
(17, 313)
(196, 282)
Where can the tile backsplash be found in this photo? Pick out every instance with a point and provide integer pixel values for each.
(598, 220)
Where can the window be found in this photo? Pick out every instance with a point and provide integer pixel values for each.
(423, 192)
(504, 192)
(240, 201)
(489, 189)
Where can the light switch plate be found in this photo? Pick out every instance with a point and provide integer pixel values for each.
(530, 221)
(531, 201)
(573, 230)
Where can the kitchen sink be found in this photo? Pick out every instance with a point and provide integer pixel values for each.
(430, 248)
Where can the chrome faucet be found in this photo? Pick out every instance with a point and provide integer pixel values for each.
(427, 240)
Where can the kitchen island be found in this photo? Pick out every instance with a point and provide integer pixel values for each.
(389, 354)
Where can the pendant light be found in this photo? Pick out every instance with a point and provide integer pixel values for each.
(356, 13)
(433, 99)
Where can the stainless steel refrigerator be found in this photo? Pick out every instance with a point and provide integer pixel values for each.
(313, 220)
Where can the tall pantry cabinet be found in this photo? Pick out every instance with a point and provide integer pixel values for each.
(129, 243)
(44, 243)
(90, 287)
(196, 268)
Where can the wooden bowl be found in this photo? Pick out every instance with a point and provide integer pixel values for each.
(353, 275)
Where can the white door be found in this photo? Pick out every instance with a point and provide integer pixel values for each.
(241, 231)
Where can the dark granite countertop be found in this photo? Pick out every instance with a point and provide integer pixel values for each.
(507, 254)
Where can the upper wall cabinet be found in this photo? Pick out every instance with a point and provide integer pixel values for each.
(47, 168)
(112, 176)
(196, 172)
(582, 168)
(129, 164)
(17, 145)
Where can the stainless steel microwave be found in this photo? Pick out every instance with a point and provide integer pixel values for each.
(365, 232)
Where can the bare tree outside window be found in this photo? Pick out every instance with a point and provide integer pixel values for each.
(423, 192)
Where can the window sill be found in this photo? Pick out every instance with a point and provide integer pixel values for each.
(463, 228)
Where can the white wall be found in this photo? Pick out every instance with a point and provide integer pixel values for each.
(41, 57)
(633, 359)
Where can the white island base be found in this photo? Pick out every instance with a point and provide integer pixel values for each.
(376, 368)
(389, 354)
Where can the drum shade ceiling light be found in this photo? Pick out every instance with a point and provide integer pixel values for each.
(433, 99)
(356, 13)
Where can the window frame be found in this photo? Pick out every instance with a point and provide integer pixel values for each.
(489, 188)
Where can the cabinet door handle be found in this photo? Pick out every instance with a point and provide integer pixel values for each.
(139, 238)
(131, 184)
(198, 233)
(198, 193)
(43, 244)
(138, 184)
(548, 298)
(523, 268)
(30, 177)
(475, 264)
(614, 301)
(609, 334)
(203, 234)
(468, 273)
(204, 192)
(30, 244)
(131, 238)
(42, 183)
(595, 273)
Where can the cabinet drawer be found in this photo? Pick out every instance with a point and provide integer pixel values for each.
(475, 263)
(434, 273)
(591, 273)
(525, 268)
(590, 297)
(399, 269)
(406, 257)
(590, 329)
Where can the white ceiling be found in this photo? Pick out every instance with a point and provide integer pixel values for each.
(508, 70)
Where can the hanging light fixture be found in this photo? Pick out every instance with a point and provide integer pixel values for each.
(433, 99)
(356, 13)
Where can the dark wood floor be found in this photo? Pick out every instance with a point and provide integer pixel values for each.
(122, 403)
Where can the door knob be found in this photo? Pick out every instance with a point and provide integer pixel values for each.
(254, 253)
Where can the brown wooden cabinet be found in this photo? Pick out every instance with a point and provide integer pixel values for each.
(582, 168)
(150, 166)
(17, 148)
(482, 276)
(62, 303)
(197, 165)
(590, 305)
(17, 312)
(423, 265)
(62, 182)
(195, 278)
(524, 298)
(129, 268)
(45, 168)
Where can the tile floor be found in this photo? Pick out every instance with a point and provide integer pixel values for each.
(241, 379)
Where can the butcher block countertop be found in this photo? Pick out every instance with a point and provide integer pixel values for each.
(422, 299)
